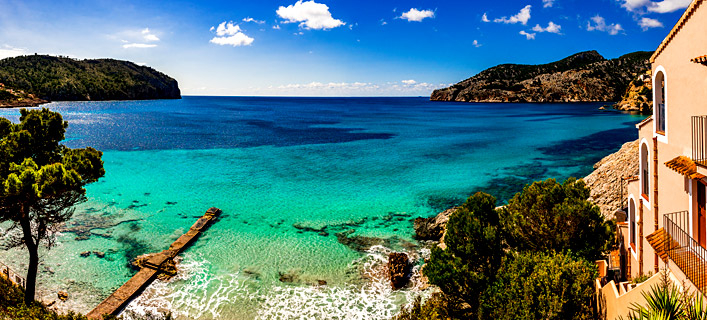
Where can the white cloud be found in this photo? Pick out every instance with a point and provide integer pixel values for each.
(417, 15)
(383, 22)
(551, 28)
(310, 14)
(149, 36)
(664, 6)
(523, 16)
(403, 88)
(476, 43)
(548, 3)
(276, 27)
(230, 34)
(485, 18)
(8, 52)
(529, 36)
(139, 45)
(249, 19)
(647, 23)
(600, 25)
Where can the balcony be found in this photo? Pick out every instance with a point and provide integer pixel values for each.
(683, 250)
(699, 140)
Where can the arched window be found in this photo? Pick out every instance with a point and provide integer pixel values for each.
(645, 187)
(659, 102)
(632, 223)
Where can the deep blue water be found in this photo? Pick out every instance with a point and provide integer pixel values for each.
(369, 165)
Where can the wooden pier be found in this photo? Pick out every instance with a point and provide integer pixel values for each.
(131, 289)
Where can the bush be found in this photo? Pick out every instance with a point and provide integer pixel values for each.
(541, 286)
(473, 254)
(435, 308)
(548, 217)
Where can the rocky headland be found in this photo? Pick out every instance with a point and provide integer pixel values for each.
(606, 183)
(27, 81)
(582, 77)
(638, 96)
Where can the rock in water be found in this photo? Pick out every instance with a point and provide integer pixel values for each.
(432, 228)
(63, 295)
(398, 269)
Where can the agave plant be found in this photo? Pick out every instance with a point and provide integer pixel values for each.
(666, 302)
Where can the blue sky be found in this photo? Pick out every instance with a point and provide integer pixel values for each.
(331, 47)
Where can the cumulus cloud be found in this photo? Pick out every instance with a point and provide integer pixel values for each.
(9, 51)
(647, 23)
(228, 33)
(601, 25)
(548, 3)
(249, 19)
(139, 45)
(417, 15)
(476, 43)
(409, 82)
(529, 36)
(485, 18)
(310, 14)
(551, 28)
(665, 6)
(523, 16)
(149, 36)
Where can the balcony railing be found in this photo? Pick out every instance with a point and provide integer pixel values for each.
(699, 140)
(685, 251)
(6, 272)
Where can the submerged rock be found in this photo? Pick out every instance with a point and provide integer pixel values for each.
(398, 269)
(85, 254)
(432, 228)
(63, 295)
(99, 254)
(291, 276)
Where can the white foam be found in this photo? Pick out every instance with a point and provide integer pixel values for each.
(195, 293)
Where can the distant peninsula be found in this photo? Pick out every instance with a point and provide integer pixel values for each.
(582, 77)
(35, 79)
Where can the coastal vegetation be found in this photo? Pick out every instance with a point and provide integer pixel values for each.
(585, 76)
(62, 79)
(529, 260)
(40, 182)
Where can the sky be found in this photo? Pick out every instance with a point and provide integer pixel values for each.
(331, 47)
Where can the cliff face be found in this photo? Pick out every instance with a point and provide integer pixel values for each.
(585, 76)
(605, 183)
(638, 96)
(61, 79)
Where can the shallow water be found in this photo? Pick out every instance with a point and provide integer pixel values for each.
(334, 164)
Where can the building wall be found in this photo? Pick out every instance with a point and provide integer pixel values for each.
(685, 96)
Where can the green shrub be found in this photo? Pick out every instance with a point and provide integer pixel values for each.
(541, 286)
(548, 216)
(434, 308)
(474, 252)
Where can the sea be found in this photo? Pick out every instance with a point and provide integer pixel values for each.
(315, 193)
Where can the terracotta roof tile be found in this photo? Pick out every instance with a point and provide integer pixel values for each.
(700, 59)
(684, 166)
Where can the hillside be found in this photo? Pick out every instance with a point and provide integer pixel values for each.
(65, 79)
(585, 76)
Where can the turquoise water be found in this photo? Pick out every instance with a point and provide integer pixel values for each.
(325, 165)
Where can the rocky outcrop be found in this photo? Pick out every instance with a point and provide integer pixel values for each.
(432, 228)
(607, 188)
(13, 98)
(585, 76)
(638, 96)
(398, 269)
(65, 79)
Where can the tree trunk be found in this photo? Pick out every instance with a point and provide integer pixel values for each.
(33, 258)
